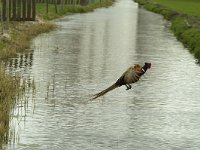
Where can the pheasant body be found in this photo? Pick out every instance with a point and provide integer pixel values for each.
(131, 75)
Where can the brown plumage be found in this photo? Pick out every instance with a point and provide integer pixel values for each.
(131, 75)
(112, 87)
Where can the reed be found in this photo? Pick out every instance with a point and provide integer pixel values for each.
(9, 87)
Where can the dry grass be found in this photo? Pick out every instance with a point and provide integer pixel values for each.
(19, 37)
(9, 87)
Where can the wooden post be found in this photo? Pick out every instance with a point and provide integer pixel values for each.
(18, 9)
(2, 25)
(34, 9)
(47, 6)
(24, 9)
(4, 9)
(7, 14)
(29, 10)
(10, 5)
(55, 3)
(14, 10)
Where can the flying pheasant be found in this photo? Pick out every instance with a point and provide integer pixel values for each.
(131, 75)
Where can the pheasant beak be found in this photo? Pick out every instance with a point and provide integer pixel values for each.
(148, 65)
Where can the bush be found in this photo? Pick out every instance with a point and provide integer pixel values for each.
(191, 38)
(197, 52)
(179, 26)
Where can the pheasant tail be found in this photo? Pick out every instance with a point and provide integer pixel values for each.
(112, 87)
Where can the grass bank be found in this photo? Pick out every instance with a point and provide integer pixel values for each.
(185, 20)
(19, 35)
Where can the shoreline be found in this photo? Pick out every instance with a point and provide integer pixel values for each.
(186, 28)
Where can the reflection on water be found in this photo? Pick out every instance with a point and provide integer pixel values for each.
(88, 53)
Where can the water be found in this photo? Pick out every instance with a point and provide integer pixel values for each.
(87, 53)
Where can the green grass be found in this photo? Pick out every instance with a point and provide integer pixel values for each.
(190, 7)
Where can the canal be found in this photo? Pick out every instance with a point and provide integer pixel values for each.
(86, 54)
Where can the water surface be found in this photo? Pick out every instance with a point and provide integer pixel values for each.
(87, 53)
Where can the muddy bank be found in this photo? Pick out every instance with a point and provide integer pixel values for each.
(185, 27)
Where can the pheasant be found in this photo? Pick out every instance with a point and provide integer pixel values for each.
(131, 75)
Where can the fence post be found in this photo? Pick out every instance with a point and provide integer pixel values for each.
(14, 10)
(18, 9)
(47, 6)
(4, 9)
(34, 9)
(7, 14)
(24, 9)
(2, 25)
(10, 8)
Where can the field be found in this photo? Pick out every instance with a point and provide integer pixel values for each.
(190, 7)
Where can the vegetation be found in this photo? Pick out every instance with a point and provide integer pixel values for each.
(185, 18)
(61, 10)
(190, 7)
(19, 36)
(8, 90)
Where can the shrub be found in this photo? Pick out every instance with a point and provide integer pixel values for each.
(191, 38)
(179, 26)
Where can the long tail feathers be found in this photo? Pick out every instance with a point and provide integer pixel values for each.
(112, 87)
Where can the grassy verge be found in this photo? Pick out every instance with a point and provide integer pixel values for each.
(185, 20)
(190, 7)
(19, 36)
